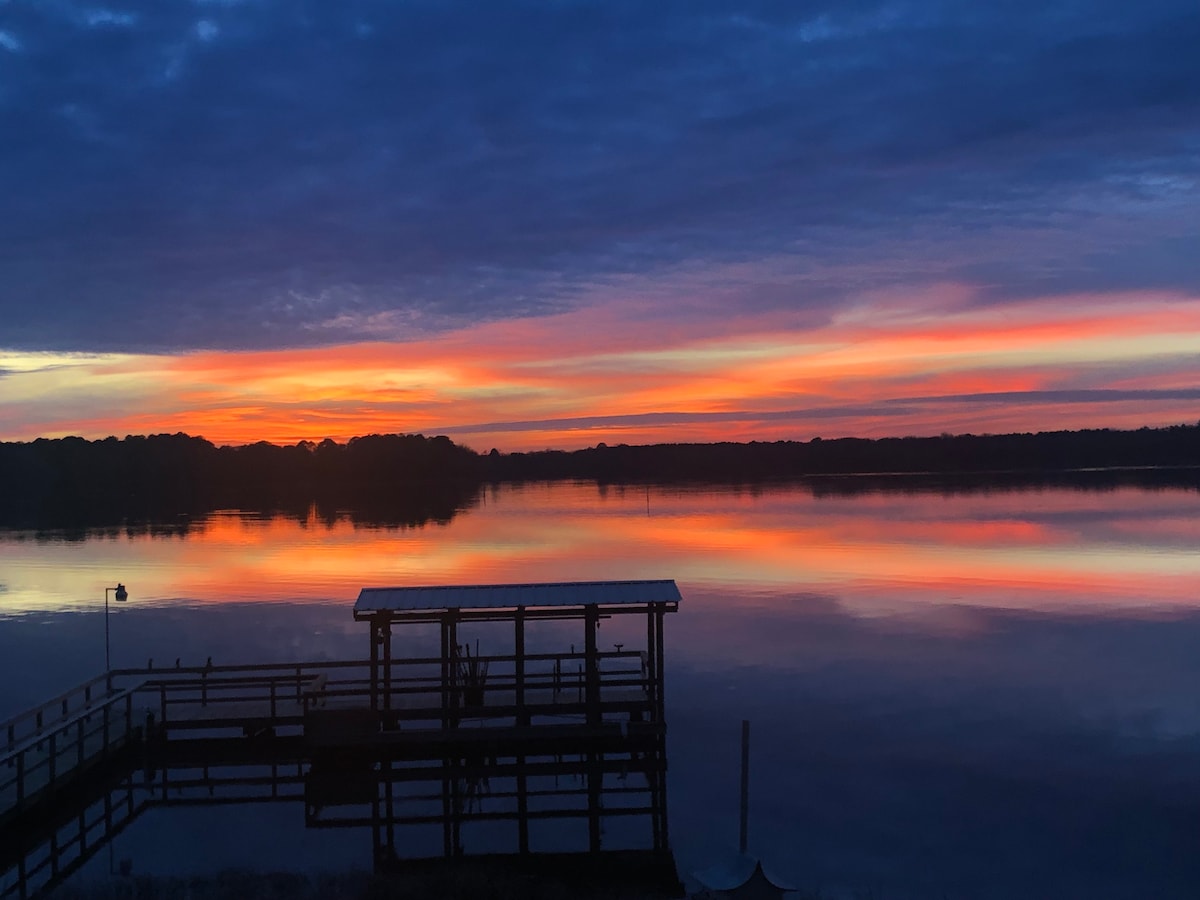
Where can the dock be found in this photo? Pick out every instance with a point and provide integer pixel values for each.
(387, 743)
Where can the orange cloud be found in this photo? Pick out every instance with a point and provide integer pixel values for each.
(598, 367)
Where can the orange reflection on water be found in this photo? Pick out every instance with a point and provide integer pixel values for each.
(1021, 549)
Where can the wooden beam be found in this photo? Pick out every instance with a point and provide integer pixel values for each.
(375, 664)
(519, 665)
(591, 666)
(659, 660)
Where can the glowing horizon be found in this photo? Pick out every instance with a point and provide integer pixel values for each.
(578, 378)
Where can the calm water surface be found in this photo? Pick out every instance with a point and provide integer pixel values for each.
(984, 694)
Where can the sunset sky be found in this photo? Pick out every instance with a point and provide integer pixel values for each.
(549, 223)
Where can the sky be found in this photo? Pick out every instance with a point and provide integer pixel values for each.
(551, 223)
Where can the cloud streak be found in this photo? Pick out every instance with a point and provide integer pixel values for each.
(948, 364)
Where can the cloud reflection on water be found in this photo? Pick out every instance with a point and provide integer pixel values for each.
(1034, 548)
(1016, 753)
(981, 695)
(1008, 753)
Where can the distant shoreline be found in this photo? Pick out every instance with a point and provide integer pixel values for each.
(409, 480)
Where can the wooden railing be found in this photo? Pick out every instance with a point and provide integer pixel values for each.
(59, 748)
(47, 747)
(41, 867)
(64, 707)
(279, 690)
(286, 692)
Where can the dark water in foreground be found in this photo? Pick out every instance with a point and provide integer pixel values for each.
(983, 694)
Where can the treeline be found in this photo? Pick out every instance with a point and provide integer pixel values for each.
(383, 479)
(399, 479)
(1044, 452)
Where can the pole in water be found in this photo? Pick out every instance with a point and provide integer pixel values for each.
(745, 784)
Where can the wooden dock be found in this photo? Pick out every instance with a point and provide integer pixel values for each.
(382, 743)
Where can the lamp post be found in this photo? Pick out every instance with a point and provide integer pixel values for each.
(121, 595)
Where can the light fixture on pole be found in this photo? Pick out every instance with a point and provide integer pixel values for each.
(120, 595)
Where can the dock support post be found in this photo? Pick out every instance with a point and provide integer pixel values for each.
(660, 706)
(452, 639)
(449, 669)
(519, 664)
(375, 664)
(595, 785)
(656, 816)
(452, 808)
(376, 835)
(385, 631)
(651, 686)
(446, 664)
(447, 809)
(390, 795)
(522, 807)
(591, 621)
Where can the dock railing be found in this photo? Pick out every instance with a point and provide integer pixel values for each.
(284, 693)
(65, 706)
(62, 759)
(59, 747)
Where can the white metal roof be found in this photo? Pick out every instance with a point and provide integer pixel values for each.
(501, 596)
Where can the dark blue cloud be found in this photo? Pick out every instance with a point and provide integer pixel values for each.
(251, 173)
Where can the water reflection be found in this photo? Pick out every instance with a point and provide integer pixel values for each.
(986, 694)
(1033, 549)
(1017, 754)
(1014, 751)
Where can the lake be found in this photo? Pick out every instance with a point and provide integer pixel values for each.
(953, 691)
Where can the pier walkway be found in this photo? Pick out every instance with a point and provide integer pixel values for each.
(385, 742)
